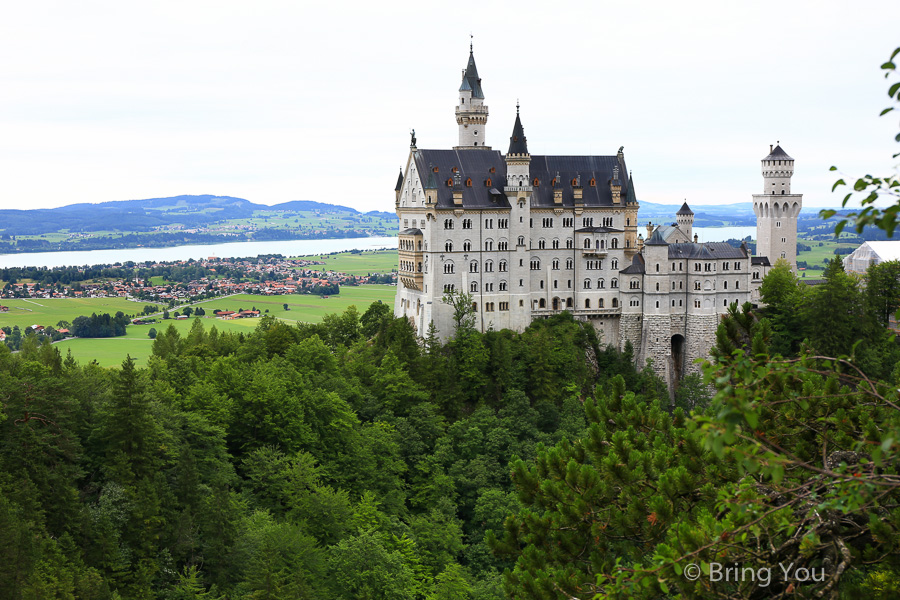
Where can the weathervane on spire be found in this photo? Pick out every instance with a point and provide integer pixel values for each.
(471, 39)
(517, 106)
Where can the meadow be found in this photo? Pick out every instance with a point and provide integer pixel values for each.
(110, 352)
(48, 312)
(359, 263)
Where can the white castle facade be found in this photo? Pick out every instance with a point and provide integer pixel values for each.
(529, 236)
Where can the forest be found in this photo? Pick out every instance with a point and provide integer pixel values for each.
(351, 459)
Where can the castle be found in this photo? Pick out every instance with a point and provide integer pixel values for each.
(529, 236)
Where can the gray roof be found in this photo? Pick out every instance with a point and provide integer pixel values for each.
(685, 210)
(411, 231)
(707, 251)
(656, 239)
(760, 260)
(399, 182)
(630, 196)
(517, 142)
(778, 154)
(636, 267)
(471, 81)
(477, 167)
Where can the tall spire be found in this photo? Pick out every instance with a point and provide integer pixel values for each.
(517, 141)
(471, 80)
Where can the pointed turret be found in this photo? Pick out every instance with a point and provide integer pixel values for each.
(471, 113)
(517, 142)
(471, 80)
(685, 219)
(398, 188)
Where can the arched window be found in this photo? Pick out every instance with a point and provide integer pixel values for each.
(467, 246)
(488, 266)
(570, 243)
(535, 264)
(502, 286)
(488, 245)
(615, 303)
(614, 283)
(473, 266)
(601, 283)
(587, 284)
(600, 303)
(587, 242)
(536, 182)
(587, 302)
(448, 267)
(469, 179)
(615, 243)
(521, 240)
(473, 287)
(569, 263)
(502, 266)
(448, 246)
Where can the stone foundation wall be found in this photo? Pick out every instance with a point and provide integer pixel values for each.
(631, 329)
(700, 337)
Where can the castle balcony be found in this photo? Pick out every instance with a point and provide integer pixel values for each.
(594, 252)
(411, 258)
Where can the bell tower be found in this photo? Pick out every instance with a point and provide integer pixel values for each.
(777, 209)
(471, 112)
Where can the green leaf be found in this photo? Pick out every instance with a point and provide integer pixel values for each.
(889, 65)
(752, 419)
(837, 183)
(860, 185)
(886, 111)
(894, 89)
(887, 443)
(839, 228)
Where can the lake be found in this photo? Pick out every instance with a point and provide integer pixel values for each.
(244, 249)
(229, 250)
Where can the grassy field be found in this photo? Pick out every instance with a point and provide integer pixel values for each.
(109, 352)
(39, 311)
(818, 254)
(361, 263)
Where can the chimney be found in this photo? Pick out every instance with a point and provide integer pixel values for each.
(770, 148)
(695, 238)
(649, 228)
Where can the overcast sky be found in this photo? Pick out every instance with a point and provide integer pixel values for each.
(279, 101)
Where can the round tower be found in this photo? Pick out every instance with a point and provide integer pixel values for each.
(777, 209)
(685, 219)
(471, 112)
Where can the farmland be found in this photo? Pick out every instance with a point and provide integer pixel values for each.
(356, 263)
(111, 351)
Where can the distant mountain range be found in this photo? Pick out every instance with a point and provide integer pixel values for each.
(199, 211)
(144, 215)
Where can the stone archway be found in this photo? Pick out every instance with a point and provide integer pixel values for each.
(677, 357)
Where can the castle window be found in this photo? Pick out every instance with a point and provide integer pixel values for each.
(502, 245)
(587, 302)
(614, 283)
(601, 283)
(600, 303)
(570, 243)
(570, 263)
(587, 284)
(493, 169)
(467, 224)
(615, 263)
(473, 267)
(657, 304)
(556, 244)
(737, 266)
(474, 307)
(536, 182)
(737, 285)
(657, 287)
(448, 223)
(542, 303)
(450, 182)
(556, 264)
(448, 268)
(725, 285)
(473, 287)
(467, 246)
(593, 182)
(535, 264)
(657, 267)
(521, 303)
(696, 285)
(503, 223)
(455, 169)
(697, 267)
(502, 267)
(542, 284)
(435, 169)
(615, 243)
(555, 283)
(469, 180)
(541, 244)
(502, 286)
(521, 240)
(487, 182)
(587, 242)
(448, 247)
(488, 266)
(615, 303)
(488, 246)
(696, 304)
(574, 182)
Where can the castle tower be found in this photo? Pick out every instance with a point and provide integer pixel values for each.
(471, 112)
(518, 159)
(685, 219)
(777, 209)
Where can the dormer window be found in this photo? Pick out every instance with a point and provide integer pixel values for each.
(469, 182)
(487, 182)
(536, 182)
(553, 182)
(435, 169)
(455, 169)
(574, 182)
(450, 182)
(593, 182)
(493, 169)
